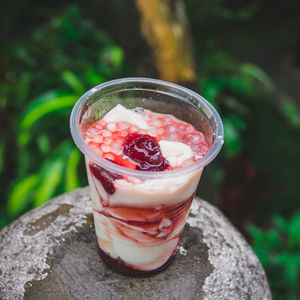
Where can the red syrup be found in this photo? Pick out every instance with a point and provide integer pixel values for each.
(120, 267)
(105, 177)
(145, 151)
(159, 225)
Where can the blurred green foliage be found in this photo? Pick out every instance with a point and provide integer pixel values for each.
(255, 127)
(46, 69)
(225, 82)
(45, 73)
(279, 252)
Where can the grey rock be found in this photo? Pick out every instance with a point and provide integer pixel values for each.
(51, 253)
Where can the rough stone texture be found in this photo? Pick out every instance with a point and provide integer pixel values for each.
(51, 253)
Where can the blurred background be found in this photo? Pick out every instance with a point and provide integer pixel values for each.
(242, 56)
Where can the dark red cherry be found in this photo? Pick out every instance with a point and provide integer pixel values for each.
(144, 150)
(105, 177)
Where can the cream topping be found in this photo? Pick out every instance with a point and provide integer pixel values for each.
(120, 114)
(175, 152)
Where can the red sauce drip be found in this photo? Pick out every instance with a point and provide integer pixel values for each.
(105, 177)
(156, 223)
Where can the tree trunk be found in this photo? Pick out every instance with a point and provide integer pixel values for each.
(164, 27)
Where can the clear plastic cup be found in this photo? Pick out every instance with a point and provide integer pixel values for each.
(138, 226)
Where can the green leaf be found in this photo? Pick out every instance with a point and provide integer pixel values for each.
(23, 138)
(281, 223)
(50, 181)
(272, 237)
(210, 90)
(23, 86)
(116, 56)
(294, 230)
(291, 112)
(44, 105)
(73, 82)
(20, 195)
(233, 104)
(289, 259)
(43, 143)
(231, 83)
(257, 73)
(258, 237)
(233, 143)
(236, 84)
(292, 272)
(72, 181)
(93, 78)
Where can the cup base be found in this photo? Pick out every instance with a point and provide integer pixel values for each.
(119, 266)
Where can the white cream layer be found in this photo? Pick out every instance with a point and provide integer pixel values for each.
(136, 192)
(141, 256)
(121, 114)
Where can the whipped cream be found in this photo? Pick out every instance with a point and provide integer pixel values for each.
(120, 114)
(175, 152)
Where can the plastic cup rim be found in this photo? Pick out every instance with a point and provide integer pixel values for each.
(112, 167)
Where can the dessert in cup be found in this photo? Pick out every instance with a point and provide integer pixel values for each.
(145, 143)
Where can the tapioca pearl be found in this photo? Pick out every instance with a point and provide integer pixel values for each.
(111, 126)
(123, 125)
(152, 132)
(116, 148)
(124, 133)
(107, 141)
(93, 131)
(167, 120)
(134, 128)
(116, 145)
(161, 137)
(106, 133)
(88, 135)
(199, 150)
(172, 137)
(95, 147)
(100, 125)
(155, 123)
(160, 130)
(119, 141)
(195, 148)
(98, 151)
(194, 139)
(181, 128)
(97, 139)
(116, 151)
(105, 148)
(189, 129)
(203, 150)
(109, 156)
(171, 128)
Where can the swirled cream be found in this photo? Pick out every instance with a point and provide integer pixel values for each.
(138, 220)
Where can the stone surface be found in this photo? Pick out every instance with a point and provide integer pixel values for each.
(51, 253)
